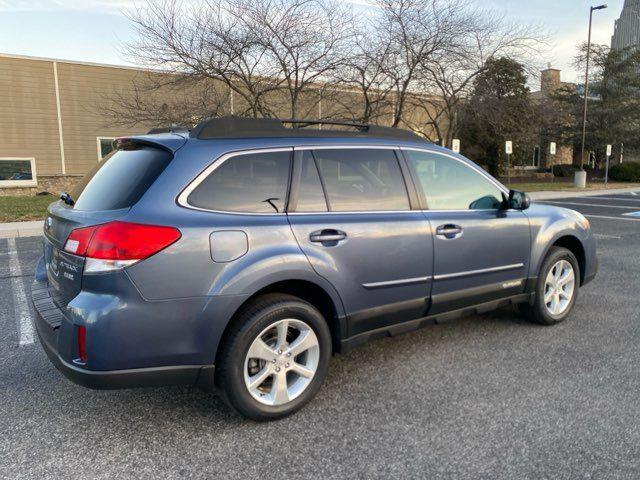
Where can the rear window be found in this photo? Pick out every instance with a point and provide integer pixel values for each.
(249, 183)
(120, 180)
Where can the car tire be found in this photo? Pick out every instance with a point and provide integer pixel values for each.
(254, 349)
(550, 304)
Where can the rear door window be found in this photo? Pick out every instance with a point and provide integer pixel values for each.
(362, 179)
(120, 180)
(247, 183)
(310, 193)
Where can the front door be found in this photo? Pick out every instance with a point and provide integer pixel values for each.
(481, 252)
(362, 236)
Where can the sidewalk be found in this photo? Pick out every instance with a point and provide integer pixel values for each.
(21, 229)
(34, 229)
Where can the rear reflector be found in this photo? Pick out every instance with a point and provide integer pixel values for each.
(82, 344)
(78, 241)
(115, 245)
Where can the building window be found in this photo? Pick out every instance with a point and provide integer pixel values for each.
(105, 147)
(17, 172)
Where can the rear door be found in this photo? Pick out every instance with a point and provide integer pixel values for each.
(363, 236)
(106, 193)
(481, 252)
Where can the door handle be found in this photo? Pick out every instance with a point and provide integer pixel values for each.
(449, 231)
(327, 236)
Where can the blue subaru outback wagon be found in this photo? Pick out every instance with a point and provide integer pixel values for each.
(242, 254)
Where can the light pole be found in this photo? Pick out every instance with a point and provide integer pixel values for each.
(586, 85)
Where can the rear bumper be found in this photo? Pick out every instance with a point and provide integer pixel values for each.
(48, 321)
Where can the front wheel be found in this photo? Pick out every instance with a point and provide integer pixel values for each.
(275, 357)
(557, 288)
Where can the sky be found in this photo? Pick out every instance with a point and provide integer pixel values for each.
(96, 30)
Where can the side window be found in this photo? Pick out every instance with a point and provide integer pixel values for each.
(449, 184)
(362, 179)
(249, 183)
(310, 193)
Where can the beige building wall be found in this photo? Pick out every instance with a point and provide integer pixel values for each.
(53, 111)
(50, 111)
(28, 114)
(83, 90)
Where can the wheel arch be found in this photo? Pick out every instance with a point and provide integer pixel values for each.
(306, 290)
(574, 245)
(570, 242)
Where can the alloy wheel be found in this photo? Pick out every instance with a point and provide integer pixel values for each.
(281, 362)
(559, 287)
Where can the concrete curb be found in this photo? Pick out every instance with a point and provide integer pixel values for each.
(544, 195)
(21, 229)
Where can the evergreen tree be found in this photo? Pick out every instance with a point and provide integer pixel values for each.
(499, 109)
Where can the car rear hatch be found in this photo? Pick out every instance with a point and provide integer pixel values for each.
(105, 194)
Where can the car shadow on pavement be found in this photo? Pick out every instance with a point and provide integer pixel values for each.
(354, 378)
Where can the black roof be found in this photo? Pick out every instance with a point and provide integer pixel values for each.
(236, 127)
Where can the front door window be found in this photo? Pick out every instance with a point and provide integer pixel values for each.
(450, 184)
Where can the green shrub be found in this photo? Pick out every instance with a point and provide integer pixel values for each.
(625, 172)
(563, 170)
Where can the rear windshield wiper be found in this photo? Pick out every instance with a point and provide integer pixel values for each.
(66, 198)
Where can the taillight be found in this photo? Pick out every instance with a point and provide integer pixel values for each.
(116, 245)
(82, 344)
(78, 241)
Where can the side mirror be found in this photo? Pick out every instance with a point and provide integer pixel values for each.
(518, 200)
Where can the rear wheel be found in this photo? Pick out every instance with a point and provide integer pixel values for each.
(557, 288)
(275, 358)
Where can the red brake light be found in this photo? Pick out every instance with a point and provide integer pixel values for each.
(82, 344)
(130, 241)
(121, 240)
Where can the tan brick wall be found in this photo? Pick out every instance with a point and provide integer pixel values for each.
(46, 183)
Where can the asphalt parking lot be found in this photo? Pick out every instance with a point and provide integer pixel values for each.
(483, 397)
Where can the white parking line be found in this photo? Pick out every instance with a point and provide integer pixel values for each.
(589, 204)
(21, 308)
(616, 198)
(614, 218)
(603, 236)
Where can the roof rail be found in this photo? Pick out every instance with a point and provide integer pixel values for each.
(237, 127)
(169, 129)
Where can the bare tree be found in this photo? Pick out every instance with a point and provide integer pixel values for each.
(405, 63)
(419, 32)
(207, 41)
(445, 80)
(305, 39)
(159, 99)
(366, 74)
(269, 56)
